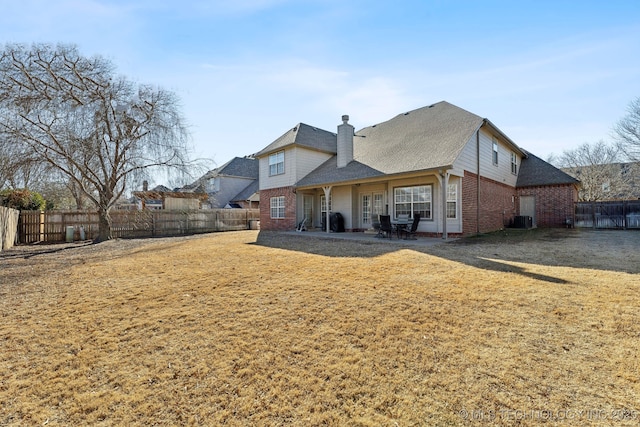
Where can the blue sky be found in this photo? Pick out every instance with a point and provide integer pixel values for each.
(550, 74)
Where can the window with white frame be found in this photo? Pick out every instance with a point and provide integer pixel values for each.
(495, 151)
(514, 163)
(410, 200)
(277, 207)
(276, 163)
(452, 201)
(378, 206)
(366, 208)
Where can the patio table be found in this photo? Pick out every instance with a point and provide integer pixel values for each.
(399, 226)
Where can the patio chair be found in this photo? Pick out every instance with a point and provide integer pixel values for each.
(376, 227)
(414, 227)
(301, 225)
(385, 226)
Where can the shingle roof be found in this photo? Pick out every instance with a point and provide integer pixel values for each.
(534, 171)
(329, 172)
(422, 139)
(248, 191)
(427, 138)
(305, 136)
(245, 167)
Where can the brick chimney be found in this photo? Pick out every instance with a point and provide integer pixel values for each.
(345, 142)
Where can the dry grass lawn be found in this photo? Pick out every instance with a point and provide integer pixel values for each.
(249, 328)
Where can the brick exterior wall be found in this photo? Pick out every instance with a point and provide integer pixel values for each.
(554, 203)
(497, 204)
(281, 224)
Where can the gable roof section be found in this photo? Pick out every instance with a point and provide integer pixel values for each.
(248, 191)
(304, 136)
(427, 138)
(535, 172)
(330, 173)
(243, 167)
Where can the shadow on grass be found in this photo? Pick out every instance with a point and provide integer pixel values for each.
(613, 251)
(28, 252)
(321, 244)
(493, 265)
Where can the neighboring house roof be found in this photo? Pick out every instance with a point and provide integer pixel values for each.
(161, 189)
(245, 167)
(162, 195)
(196, 187)
(249, 191)
(534, 172)
(305, 136)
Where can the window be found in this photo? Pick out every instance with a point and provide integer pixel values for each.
(452, 201)
(378, 206)
(276, 163)
(408, 200)
(277, 207)
(514, 163)
(495, 151)
(366, 208)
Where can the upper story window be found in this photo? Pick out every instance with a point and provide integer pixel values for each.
(495, 151)
(514, 163)
(276, 163)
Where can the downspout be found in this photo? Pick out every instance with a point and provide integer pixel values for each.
(478, 181)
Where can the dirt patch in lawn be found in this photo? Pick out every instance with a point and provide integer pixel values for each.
(248, 328)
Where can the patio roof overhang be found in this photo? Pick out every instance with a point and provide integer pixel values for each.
(376, 179)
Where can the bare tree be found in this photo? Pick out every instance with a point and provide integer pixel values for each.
(627, 132)
(98, 129)
(599, 170)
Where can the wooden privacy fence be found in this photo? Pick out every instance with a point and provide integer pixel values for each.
(60, 226)
(8, 227)
(620, 214)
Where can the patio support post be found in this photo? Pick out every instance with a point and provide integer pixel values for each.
(327, 198)
(444, 181)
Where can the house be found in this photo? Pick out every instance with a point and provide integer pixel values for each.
(458, 170)
(161, 197)
(233, 184)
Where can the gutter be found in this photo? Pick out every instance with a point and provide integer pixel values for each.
(376, 179)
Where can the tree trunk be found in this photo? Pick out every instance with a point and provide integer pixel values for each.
(104, 226)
